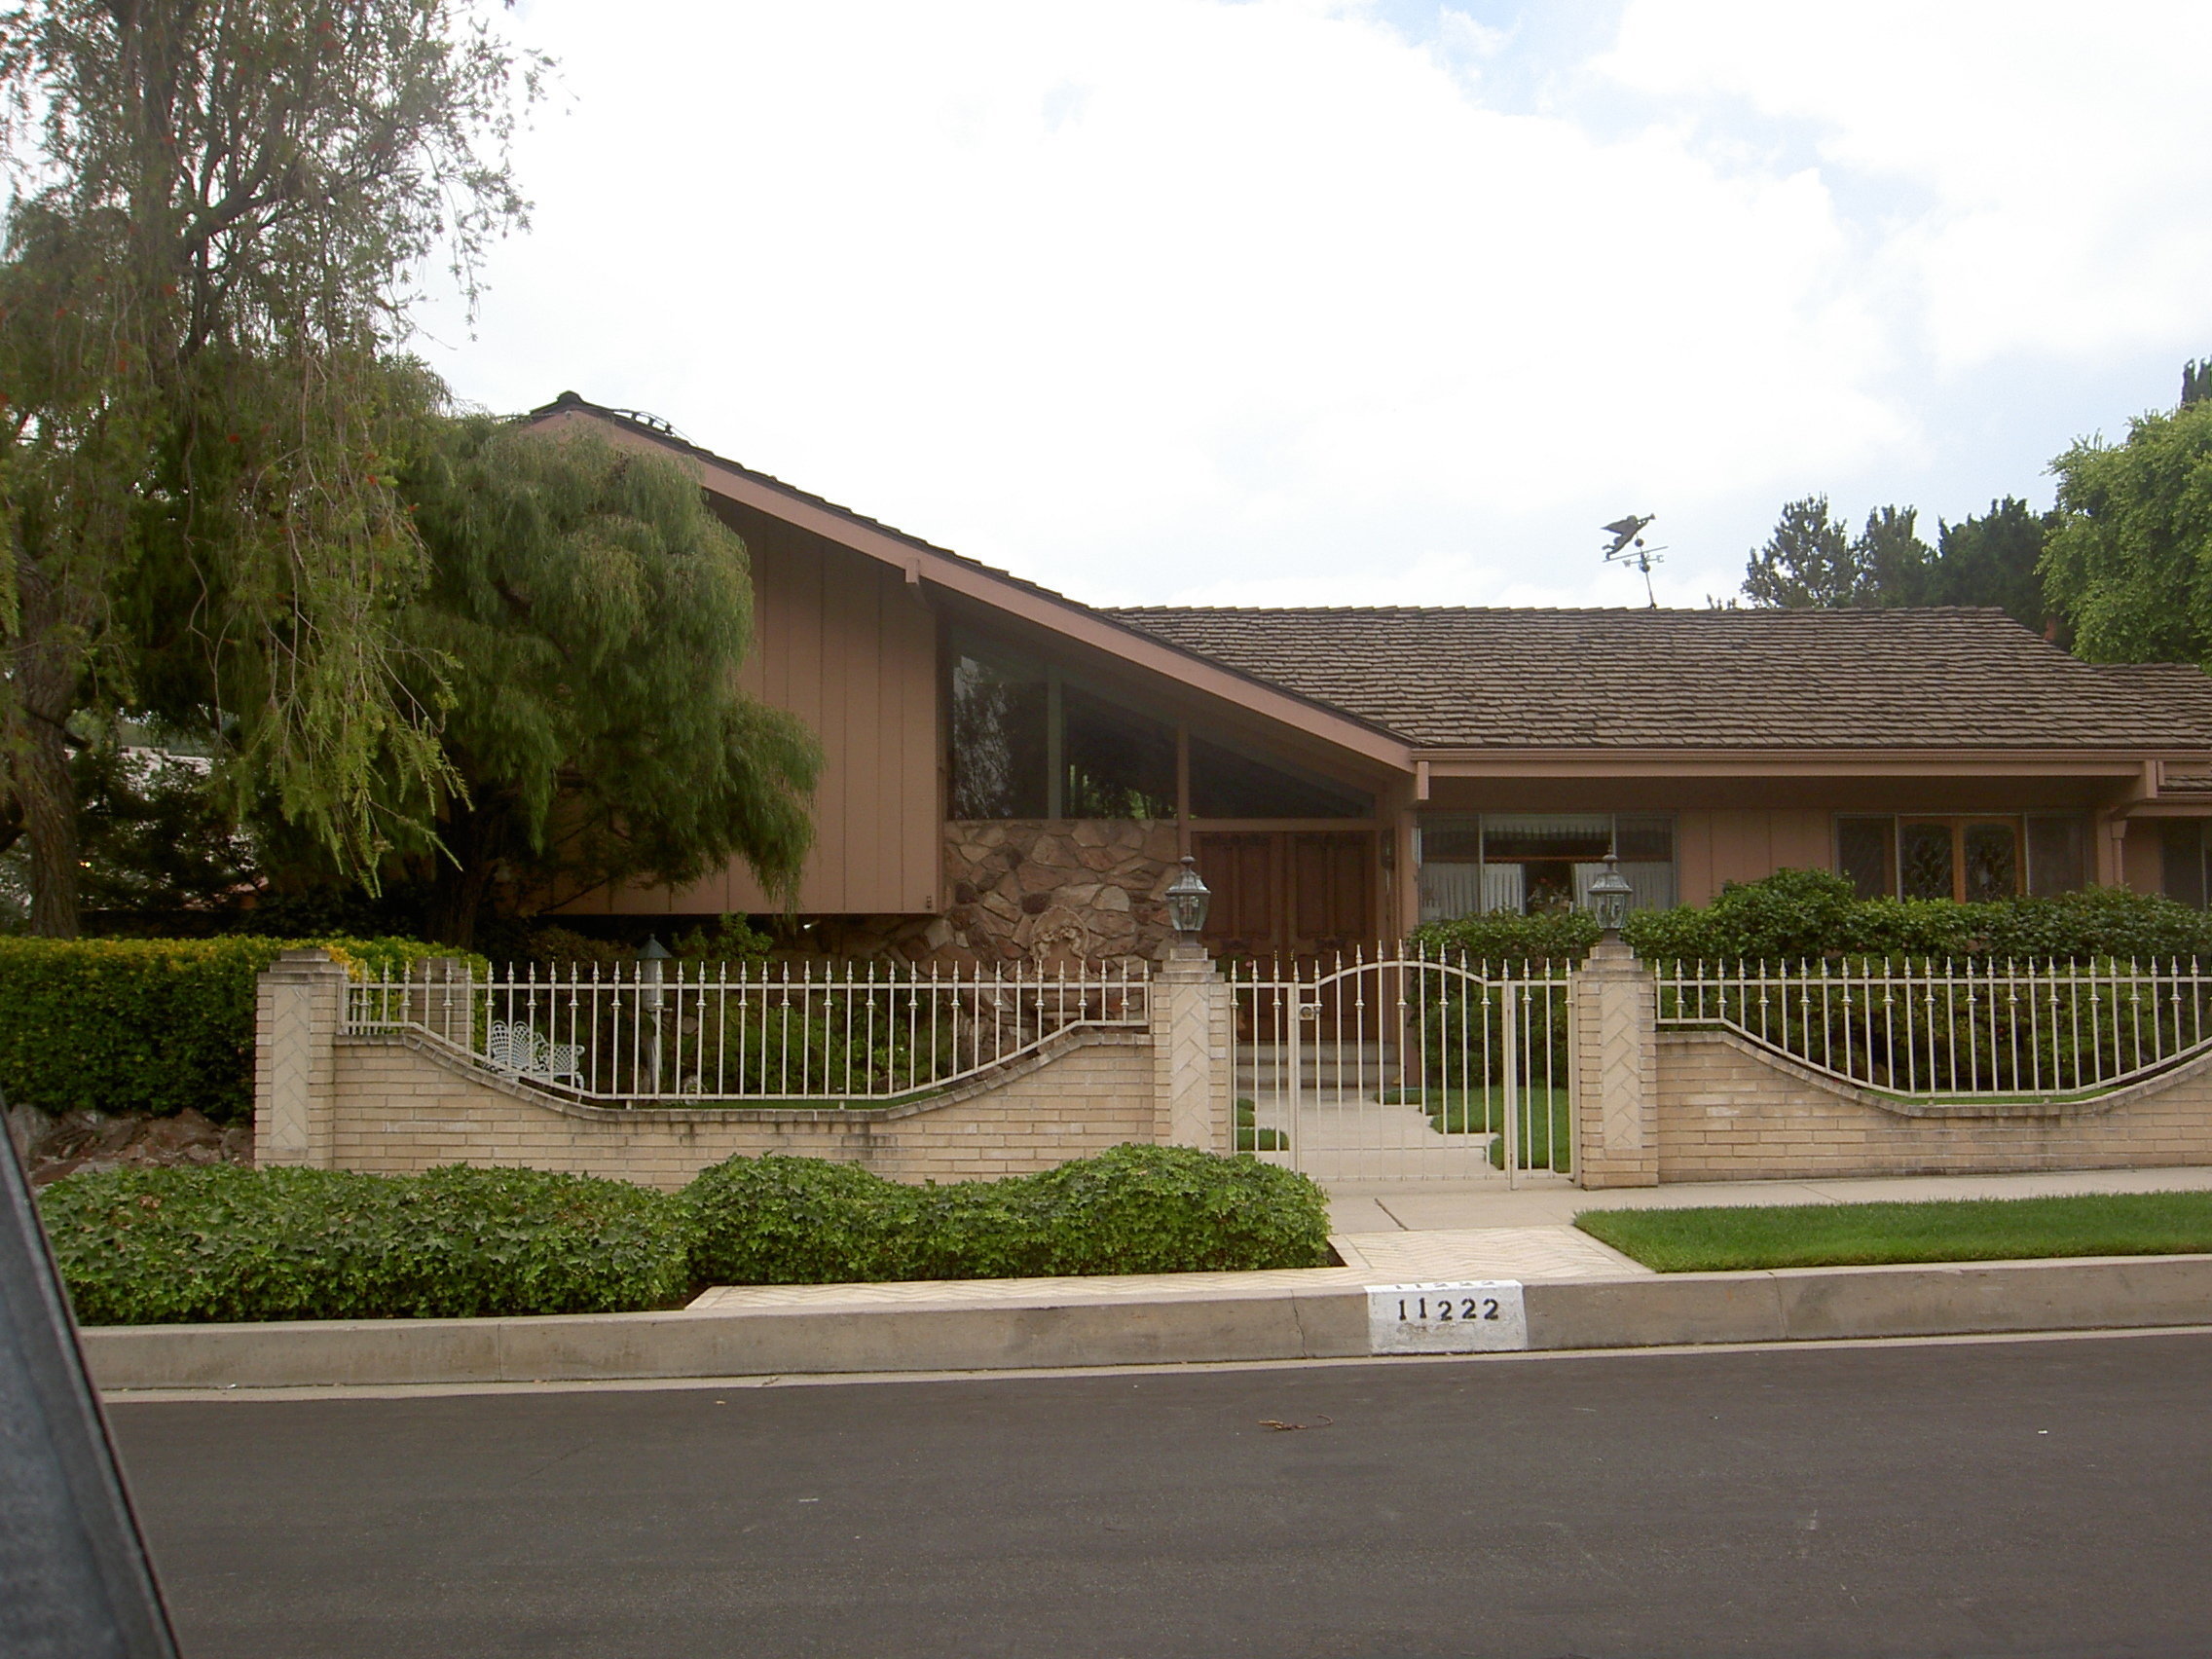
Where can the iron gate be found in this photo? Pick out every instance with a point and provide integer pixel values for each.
(1404, 1067)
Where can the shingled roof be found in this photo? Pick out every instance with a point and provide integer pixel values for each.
(1513, 678)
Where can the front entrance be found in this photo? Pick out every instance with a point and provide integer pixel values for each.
(1287, 894)
(1389, 1066)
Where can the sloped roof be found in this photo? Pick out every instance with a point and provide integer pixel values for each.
(1478, 679)
(1507, 679)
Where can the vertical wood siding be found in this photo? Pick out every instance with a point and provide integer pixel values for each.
(847, 644)
(1743, 844)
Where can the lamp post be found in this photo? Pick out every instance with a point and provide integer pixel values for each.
(653, 956)
(1609, 895)
(1187, 901)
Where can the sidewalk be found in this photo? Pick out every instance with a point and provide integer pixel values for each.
(1480, 1229)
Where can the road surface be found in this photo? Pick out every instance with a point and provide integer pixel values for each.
(2047, 1497)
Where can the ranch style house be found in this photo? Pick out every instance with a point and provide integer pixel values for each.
(1011, 775)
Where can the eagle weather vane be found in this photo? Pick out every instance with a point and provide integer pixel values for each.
(1627, 549)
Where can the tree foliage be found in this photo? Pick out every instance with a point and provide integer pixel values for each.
(1812, 560)
(2132, 559)
(593, 613)
(206, 270)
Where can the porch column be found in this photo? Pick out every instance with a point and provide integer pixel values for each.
(298, 1007)
(1616, 1132)
(1193, 1052)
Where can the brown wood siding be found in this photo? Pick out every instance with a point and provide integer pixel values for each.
(1743, 844)
(849, 647)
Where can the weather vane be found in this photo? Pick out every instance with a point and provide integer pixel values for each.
(1627, 549)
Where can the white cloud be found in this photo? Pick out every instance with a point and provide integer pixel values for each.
(1159, 299)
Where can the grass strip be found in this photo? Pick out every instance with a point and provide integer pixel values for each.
(1723, 1238)
(1547, 1119)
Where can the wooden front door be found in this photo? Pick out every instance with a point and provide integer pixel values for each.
(1288, 893)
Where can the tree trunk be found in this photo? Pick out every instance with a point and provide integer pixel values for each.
(458, 889)
(43, 671)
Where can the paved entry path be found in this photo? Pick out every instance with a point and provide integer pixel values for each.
(1481, 1230)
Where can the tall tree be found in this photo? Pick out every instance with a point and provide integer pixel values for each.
(593, 614)
(1896, 567)
(2132, 559)
(1808, 563)
(2196, 382)
(1994, 558)
(206, 268)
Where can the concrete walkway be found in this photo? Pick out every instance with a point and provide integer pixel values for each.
(1481, 1230)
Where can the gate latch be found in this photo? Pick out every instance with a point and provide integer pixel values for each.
(1310, 1009)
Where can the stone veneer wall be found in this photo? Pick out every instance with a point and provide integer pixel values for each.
(1056, 891)
(1727, 1111)
(397, 1105)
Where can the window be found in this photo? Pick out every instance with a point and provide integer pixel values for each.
(1967, 859)
(1116, 762)
(1030, 741)
(1001, 708)
(1536, 863)
(1233, 783)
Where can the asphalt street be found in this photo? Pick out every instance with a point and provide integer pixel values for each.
(2032, 1499)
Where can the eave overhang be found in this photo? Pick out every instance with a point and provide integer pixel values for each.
(922, 563)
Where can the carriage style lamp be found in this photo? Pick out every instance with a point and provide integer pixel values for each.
(651, 957)
(1608, 897)
(1187, 901)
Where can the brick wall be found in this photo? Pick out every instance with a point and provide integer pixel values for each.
(396, 1104)
(1727, 1111)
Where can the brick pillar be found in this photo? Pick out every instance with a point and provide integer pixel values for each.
(298, 1006)
(1192, 1054)
(1616, 1008)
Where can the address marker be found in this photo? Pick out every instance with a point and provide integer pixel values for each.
(1447, 1316)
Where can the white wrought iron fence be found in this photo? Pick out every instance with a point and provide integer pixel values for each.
(745, 1034)
(1404, 1064)
(1970, 1030)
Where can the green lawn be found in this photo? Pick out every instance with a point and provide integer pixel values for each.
(1250, 1137)
(1725, 1237)
(1482, 1110)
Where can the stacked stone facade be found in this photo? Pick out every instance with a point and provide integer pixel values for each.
(1050, 892)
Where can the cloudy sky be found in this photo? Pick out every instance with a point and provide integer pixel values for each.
(1361, 301)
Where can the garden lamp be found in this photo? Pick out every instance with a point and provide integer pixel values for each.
(1187, 901)
(652, 956)
(1609, 895)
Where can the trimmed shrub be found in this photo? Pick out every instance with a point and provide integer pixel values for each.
(1132, 1209)
(164, 1246)
(782, 1220)
(1811, 913)
(1173, 1209)
(146, 1025)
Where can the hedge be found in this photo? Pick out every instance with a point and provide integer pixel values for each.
(163, 1246)
(146, 1025)
(1810, 913)
(1131, 1210)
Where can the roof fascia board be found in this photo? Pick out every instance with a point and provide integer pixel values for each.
(1791, 763)
(1056, 615)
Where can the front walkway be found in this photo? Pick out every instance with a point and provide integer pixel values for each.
(1479, 1229)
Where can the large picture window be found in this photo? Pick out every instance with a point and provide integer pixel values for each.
(1532, 863)
(1031, 741)
(1969, 858)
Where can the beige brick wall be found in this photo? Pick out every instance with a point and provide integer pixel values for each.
(1726, 1112)
(400, 1106)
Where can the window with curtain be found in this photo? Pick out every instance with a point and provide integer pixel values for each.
(1530, 863)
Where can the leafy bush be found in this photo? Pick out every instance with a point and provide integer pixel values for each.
(161, 1246)
(146, 1025)
(1132, 1209)
(778, 1220)
(1809, 913)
